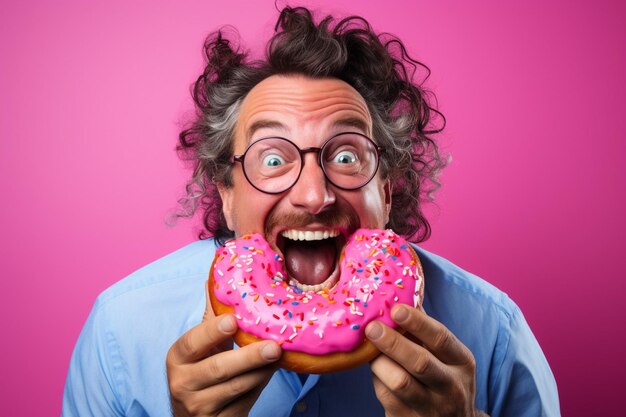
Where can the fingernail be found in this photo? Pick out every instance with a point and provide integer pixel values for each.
(400, 314)
(227, 324)
(374, 330)
(270, 351)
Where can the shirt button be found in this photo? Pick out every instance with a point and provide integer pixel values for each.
(301, 406)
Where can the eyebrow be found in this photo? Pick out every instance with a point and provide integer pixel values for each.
(264, 124)
(355, 122)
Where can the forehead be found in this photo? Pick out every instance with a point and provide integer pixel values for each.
(296, 104)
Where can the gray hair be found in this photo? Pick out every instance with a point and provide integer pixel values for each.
(377, 66)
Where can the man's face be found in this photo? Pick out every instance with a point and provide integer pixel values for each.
(306, 111)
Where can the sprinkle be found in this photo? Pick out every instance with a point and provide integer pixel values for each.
(282, 330)
(237, 316)
(270, 294)
(321, 334)
(244, 295)
(293, 336)
(355, 327)
(275, 316)
(221, 274)
(258, 319)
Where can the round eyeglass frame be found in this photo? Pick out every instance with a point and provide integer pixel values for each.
(241, 158)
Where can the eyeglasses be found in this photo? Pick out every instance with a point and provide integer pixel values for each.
(273, 165)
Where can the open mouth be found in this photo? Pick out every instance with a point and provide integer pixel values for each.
(311, 257)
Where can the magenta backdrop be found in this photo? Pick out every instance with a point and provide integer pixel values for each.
(91, 102)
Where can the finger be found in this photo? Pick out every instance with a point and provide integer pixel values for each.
(397, 382)
(234, 397)
(391, 403)
(225, 366)
(201, 340)
(415, 359)
(433, 335)
(258, 379)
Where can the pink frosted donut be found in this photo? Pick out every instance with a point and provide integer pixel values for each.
(319, 331)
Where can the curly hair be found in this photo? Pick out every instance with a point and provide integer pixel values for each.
(376, 65)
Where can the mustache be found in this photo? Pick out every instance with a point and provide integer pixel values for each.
(332, 218)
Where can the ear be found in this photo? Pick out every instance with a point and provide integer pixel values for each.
(226, 194)
(387, 194)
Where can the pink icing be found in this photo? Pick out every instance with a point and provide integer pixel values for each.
(377, 271)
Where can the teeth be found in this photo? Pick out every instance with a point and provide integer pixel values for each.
(309, 234)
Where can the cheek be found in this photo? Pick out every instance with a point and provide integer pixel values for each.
(371, 209)
(250, 207)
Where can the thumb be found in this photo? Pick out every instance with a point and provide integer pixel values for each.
(208, 310)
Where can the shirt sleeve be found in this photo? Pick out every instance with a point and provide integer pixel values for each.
(521, 382)
(93, 380)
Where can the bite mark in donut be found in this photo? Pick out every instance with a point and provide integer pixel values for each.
(319, 331)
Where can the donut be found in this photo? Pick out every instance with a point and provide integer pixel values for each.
(319, 331)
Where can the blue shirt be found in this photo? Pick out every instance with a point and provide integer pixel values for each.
(118, 364)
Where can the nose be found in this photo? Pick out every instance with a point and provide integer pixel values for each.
(312, 191)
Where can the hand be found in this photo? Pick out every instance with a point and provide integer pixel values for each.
(425, 372)
(208, 378)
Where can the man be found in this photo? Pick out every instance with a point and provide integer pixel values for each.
(466, 353)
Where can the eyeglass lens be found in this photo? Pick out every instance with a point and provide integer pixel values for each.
(273, 165)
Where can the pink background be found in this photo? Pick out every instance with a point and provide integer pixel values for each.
(91, 98)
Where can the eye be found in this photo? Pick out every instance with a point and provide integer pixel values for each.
(273, 160)
(345, 157)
